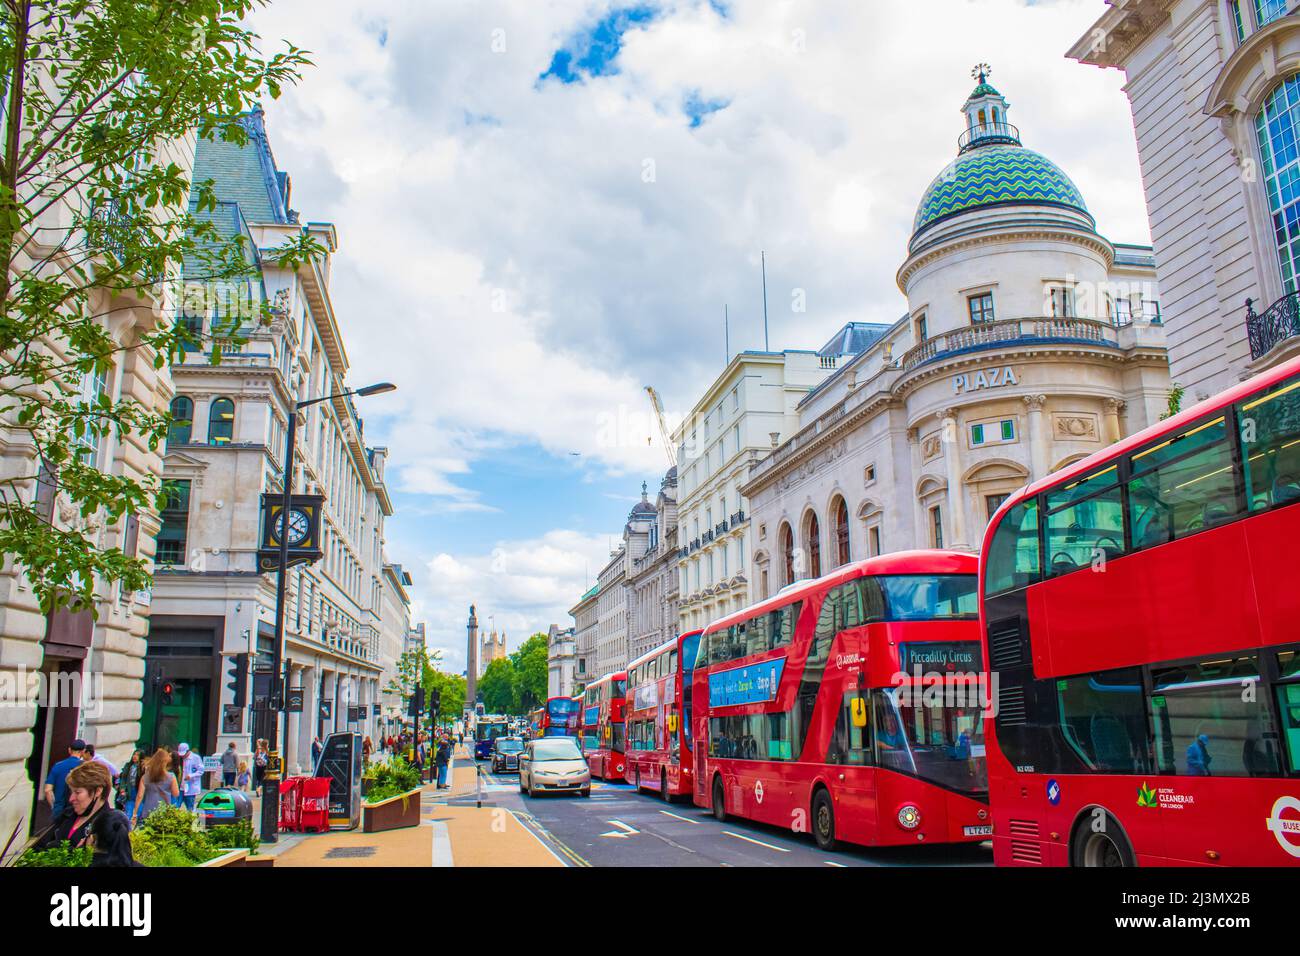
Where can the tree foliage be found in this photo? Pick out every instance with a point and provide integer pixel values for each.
(516, 684)
(96, 219)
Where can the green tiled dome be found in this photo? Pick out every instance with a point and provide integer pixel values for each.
(993, 176)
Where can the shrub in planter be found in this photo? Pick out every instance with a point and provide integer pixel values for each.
(170, 836)
(233, 836)
(392, 779)
(61, 855)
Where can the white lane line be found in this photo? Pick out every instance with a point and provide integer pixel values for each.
(840, 865)
(441, 844)
(531, 833)
(683, 819)
(779, 849)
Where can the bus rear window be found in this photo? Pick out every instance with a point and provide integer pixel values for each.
(1013, 561)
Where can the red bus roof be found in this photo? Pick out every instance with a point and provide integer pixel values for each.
(617, 675)
(1225, 398)
(898, 562)
(663, 647)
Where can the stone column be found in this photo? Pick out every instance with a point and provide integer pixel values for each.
(1111, 432)
(920, 534)
(1038, 439)
(951, 438)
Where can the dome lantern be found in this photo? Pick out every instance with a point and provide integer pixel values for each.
(986, 115)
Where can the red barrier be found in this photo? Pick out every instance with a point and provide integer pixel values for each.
(290, 803)
(313, 813)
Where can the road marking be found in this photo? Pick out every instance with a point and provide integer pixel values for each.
(683, 819)
(623, 832)
(830, 863)
(441, 845)
(779, 849)
(576, 860)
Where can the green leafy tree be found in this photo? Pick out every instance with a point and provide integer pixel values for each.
(452, 687)
(529, 663)
(96, 219)
(497, 687)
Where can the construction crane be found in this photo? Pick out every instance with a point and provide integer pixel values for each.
(658, 407)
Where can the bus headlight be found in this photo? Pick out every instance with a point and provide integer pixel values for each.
(909, 817)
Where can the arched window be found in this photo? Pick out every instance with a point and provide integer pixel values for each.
(221, 422)
(1278, 129)
(841, 532)
(814, 547)
(787, 553)
(182, 411)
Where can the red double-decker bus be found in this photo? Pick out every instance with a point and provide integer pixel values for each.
(850, 705)
(558, 717)
(659, 718)
(603, 704)
(1142, 629)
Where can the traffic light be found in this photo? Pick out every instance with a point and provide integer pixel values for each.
(238, 679)
(166, 690)
(417, 702)
(435, 703)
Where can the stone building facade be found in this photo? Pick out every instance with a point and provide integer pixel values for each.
(561, 661)
(90, 666)
(213, 610)
(585, 616)
(1031, 341)
(1214, 88)
(653, 578)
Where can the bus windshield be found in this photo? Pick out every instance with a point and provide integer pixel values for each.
(490, 731)
(561, 708)
(930, 597)
(944, 745)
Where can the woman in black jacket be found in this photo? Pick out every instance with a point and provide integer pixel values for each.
(90, 821)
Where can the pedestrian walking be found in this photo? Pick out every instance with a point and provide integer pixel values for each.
(128, 782)
(191, 776)
(260, 758)
(244, 778)
(229, 766)
(316, 748)
(100, 758)
(89, 821)
(443, 759)
(56, 788)
(158, 786)
(366, 748)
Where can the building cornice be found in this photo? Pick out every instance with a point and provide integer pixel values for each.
(1119, 31)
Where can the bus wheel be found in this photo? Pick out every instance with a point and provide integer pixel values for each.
(719, 803)
(1105, 848)
(663, 786)
(823, 821)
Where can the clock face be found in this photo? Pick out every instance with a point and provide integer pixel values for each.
(299, 526)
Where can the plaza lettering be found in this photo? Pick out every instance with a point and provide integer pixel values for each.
(994, 378)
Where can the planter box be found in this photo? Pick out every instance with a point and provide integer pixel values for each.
(391, 814)
(229, 858)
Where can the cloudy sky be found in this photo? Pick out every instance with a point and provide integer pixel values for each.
(544, 206)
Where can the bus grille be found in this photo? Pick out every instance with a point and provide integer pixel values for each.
(1023, 828)
(1011, 706)
(1006, 649)
(1027, 851)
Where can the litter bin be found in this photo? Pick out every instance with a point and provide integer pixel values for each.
(224, 805)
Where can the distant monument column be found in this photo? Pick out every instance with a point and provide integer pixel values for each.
(471, 664)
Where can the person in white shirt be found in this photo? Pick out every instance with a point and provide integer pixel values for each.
(191, 776)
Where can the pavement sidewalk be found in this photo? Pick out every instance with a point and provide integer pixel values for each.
(453, 831)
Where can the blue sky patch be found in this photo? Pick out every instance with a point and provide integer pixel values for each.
(697, 108)
(593, 51)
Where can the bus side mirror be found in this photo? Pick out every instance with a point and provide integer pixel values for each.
(858, 712)
(672, 723)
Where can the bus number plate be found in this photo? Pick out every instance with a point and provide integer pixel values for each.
(977, 831)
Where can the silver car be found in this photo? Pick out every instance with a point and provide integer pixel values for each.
(553, 765)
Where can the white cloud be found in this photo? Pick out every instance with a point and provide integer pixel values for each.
(521, 587)
(505, 261)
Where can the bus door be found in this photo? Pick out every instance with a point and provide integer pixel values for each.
(851, 759)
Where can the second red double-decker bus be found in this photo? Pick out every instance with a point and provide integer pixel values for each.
(603, 703)
(558, 717)
(1142, 625)
(850, 705)
(659, 718)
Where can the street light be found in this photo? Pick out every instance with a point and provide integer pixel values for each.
(271, 794)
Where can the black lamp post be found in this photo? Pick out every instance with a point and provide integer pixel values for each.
(271, 793)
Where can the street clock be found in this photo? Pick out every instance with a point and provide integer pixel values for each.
(302, 529)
